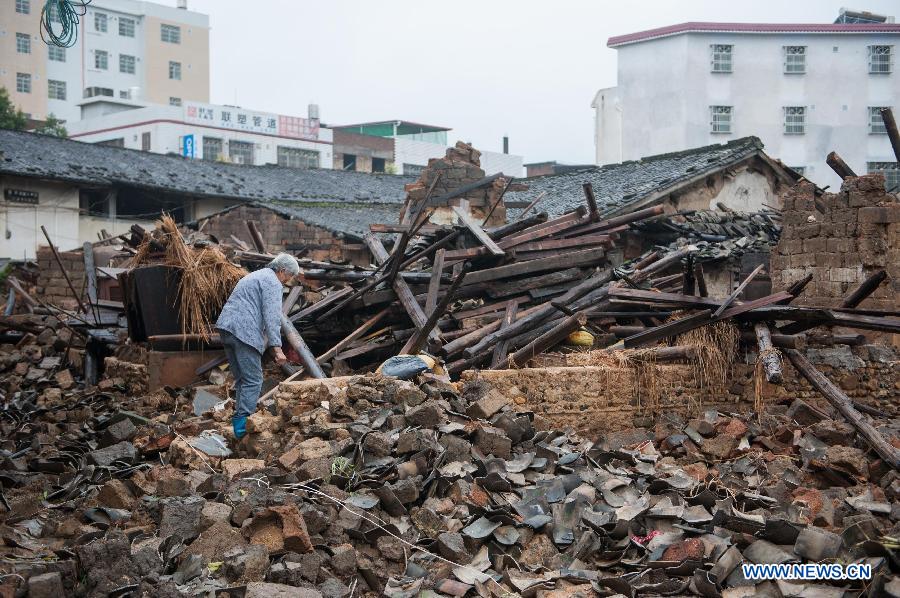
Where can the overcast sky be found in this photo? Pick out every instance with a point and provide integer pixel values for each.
(486, 68)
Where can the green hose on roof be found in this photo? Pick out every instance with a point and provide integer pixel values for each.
(59, 21)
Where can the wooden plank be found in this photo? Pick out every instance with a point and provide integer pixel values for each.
(291, 300)
(505, 289)
(437, 267)
(547, 340)
(363, 349)
(531, 206)
(428, 229)
(701, 280)
(593, 212)
(587, 257)
(844, 405)
(839, 166)
(363, 328)
(320, 306)
(658, 297)
(866, 288)
(487, 308)
(477, 231)
(585, 241)
(636, 216)
(510, 228)
(307, 359)
(502, 348)
(734, 294)
(443, 200)
(551, 227)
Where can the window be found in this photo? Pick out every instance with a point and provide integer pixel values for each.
(794, 60)
(23, 7)
(23, 82)
(175, 70)
(93, 203)
(721, 57)
(101, 59)
(100, 22)
(880, 60)
(349, 162)
(56, 53)
(117, 142)
(720, 119)
(412, 169)
(794, 120)
(126, 27)
(890, 170)
(294, 157)
(91, 92)
(145, 141)
(876, 123)
(126, 64)
(378, 165)
(212, 148)
(240, 152)
(174, 101)
(170, 34)
(56, 90)
(125, 95)
(23, 43)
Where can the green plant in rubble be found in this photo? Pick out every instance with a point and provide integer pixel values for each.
(342, 466)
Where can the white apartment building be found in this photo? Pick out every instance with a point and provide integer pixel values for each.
(803, 89)
(206, 132)
(126, 49)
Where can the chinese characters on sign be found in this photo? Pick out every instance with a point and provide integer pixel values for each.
(229, 117)
(20, 196)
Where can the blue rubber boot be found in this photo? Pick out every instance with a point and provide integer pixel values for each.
(240, 426)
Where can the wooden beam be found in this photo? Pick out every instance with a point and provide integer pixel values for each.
(90, 272)
(443, 200)
(838, 165)
(656, 296)
(768, 354)
(843, 404)
(737, 291)
(515, 287)
(434, 285)
(530, 206)
(404, 293)
(363, 328)
(477, 231)
(593, 212)
(417, 342)
(549, 339)
(887, 115)
(256, 237)
(866, 288)
(307, 359)
(502, 348)
(291, 300)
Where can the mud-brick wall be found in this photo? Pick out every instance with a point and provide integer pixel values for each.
(597, 399)
(51, 284)
(857, 234)
(281, 233)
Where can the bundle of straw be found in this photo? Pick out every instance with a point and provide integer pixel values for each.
(207, 278)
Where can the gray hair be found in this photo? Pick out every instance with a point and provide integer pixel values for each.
(284, 262)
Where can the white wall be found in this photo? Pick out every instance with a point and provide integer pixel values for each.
(20, 224)
(666, 88)
(408, 151)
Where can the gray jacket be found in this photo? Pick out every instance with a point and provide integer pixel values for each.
(253, 311)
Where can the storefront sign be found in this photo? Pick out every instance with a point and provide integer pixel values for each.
(20, 196)
(238, 119)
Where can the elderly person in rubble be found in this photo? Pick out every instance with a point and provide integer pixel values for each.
(249, 324)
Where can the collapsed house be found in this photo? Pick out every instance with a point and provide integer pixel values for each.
(612, 411)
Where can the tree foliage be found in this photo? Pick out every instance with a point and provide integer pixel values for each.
(52, 126)
(10, 116)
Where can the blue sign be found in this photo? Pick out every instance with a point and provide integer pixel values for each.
(188, 146)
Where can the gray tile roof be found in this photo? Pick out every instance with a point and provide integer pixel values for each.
(28, 154)
(348, 219)
(618, 185)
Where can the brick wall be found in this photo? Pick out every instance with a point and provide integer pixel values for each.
(857, 235)
(460, 166)
(285, 234)
(51, 284)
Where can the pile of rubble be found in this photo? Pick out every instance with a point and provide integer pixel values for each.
(374, 486)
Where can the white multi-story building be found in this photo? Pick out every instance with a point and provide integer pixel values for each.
(126, 49)
(803, 89)
(206, 132)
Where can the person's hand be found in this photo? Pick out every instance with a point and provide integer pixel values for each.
(280, 358)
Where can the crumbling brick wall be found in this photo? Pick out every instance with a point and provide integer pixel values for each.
(857, 234)
(599, 399)
(51, 283)
(460, 166)
(281, 233)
